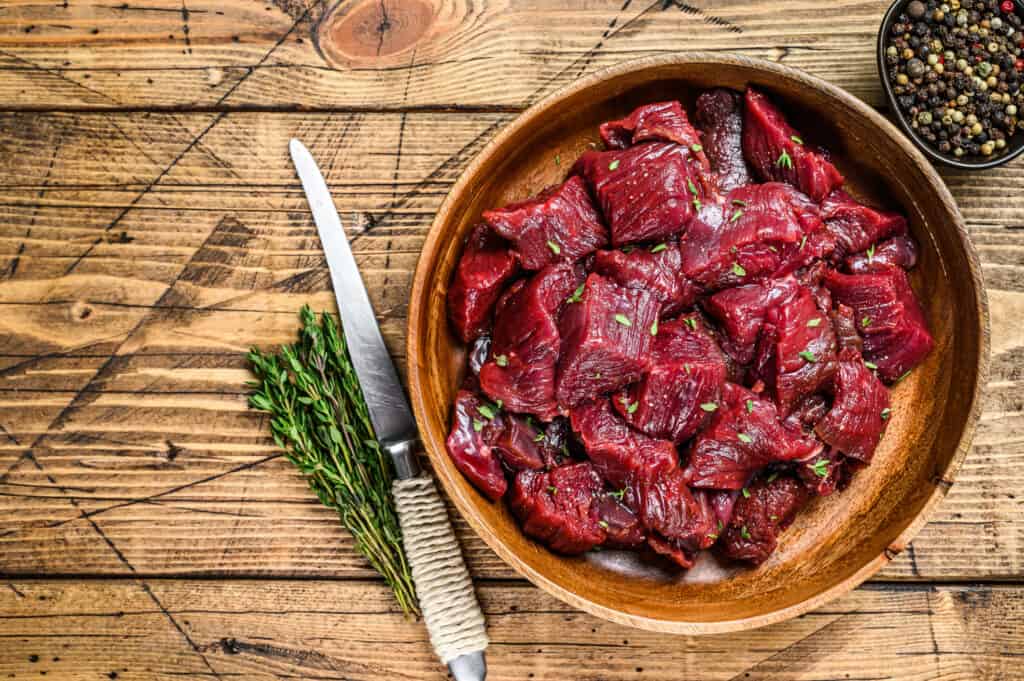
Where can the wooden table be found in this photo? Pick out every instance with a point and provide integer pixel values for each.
(152, 229)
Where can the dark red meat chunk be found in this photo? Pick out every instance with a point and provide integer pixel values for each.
(606, 339)
(654, 269)
(741, 311)
(759, 231)
(525, 343)
(521, 445)
(807, 413)
(776, 151)
(744, 436)
(663, 121)
(845, 325)
(720, 117)
(556, 507)
(823, 473)
(895, 333)
(797, 350)
(646, 192)
(856, 226)
(860, 410)
(485, 267)
(646, 472)
(899, 251)
(619, 523)
(476, 424)
(753, 531)
(686, 370)
(559, 224)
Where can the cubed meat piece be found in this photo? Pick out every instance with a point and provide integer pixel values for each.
(619, 523)
(485, 267)
(720, 117)
(860, 410)
(476, 424)
(776, 151)
(662, 121)
(686, 370)
(844, 323)
(555, 507)
(899, 251)
(744, 436)
(889, 318)
(647, 192)
(521, 445)
(757, 520)
(856, 226)
(759, 231)
(606, 340)
(807, 413)
(741, 311)
(561, 223)
(654, 269)
(797, 350)
(722, 504)
(823, 473)
(525, 343)
(646, 472)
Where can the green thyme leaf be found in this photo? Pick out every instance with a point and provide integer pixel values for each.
(746, 493)
(692, 186)
(613, 165)
(539, 437)
(796, 139)
(695, 148)
(555, 248)
(654, 328)
(487, 411)
(750, 406)
(603, 524)
(709, 407)
(784, 161)
(738, 270)
(478, 425)
(744, 438)
(813, 323)
(870, 365)
(820, 467)
(866, 322)
(737, 202)
(552, 490)
(744, 532)
(501, 360)
(871, 252)
(691, 322)
(623, 319)
(577, 295)
(808, 355)
(737, 214)
(659, 248)
(885, 414)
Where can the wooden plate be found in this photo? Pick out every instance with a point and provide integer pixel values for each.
(839, 541)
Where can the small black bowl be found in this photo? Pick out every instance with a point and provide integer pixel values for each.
(1014, 145)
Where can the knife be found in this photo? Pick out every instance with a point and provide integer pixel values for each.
(443, 585)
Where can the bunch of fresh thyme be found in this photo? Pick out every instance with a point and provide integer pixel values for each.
(319, 417)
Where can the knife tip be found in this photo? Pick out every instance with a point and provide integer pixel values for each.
(295, 146)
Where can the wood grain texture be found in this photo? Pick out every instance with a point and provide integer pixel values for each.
(394, 54)
(182, 253)
(164, 629)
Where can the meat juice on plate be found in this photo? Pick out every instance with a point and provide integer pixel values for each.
(679, 346)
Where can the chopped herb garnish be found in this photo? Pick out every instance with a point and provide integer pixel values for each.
(744, 532)
(687, 367)
(772, 249)
(773, 517)
(478, 425)
(603, 524)
(597, 375)
(627, 249)
(696, 148)
(691, 322)
(577, 295)
(613, 165)
(771, 478)
(796, 139)
(738, 270)
(733, 249)
(659, 248)
(558, 160)
(555, 248)
(746, 493)
(737, 214)
(866, 322)
(709, 406)
(907, 373)
(692, 186)
(487, 411)
(813, 323)
(630, 409)
(618, 494)
(803, 242)
(750, 406)
(697, 204)
(820, 467)
(539, 437)
(870, 365)
(809, 356)
(784, 160)
(501, 360)
(885, 414)
(871, 252)
(552, 489)
(737, 202)
(623, 319)
(712, 536)
(498, 403)
(744, 438)
(720, 526)
(654, 328)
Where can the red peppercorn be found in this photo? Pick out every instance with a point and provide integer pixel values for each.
(1007, 6)
(1019, 65)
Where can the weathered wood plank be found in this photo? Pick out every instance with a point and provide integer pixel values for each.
(395, 54)
(133, 281)
(162, 629)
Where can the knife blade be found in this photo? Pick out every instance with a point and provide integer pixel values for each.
(389, 409)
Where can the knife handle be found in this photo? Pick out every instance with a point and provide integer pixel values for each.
(443, 585)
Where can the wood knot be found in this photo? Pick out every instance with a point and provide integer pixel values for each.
(371, 31)
(80, 311)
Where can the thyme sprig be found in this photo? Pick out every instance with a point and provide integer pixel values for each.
(319, 417)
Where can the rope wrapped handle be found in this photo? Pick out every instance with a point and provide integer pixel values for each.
(443, 585)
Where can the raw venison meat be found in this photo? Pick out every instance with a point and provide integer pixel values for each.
(606, 338)
(720, 117)
(722, 503)
(895, 333)
(759, 231)
(646, 192)
(899, 251)
(807, 413)
(744, 436)
(687, 370)
(845, 325)
(654, 269)
(557, 507)
(797, 350)
(664, 122)
(856, 226)
(486, 266)
(620, 524)
(559, 224)
(521, 446)
(741, 312)
(860, 410)
(646, 472)
(823, 473)
(525, 344)
(475, 426)
(753, 531)
(776, 152)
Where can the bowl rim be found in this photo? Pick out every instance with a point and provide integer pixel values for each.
(890, 96)
(422, 288)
